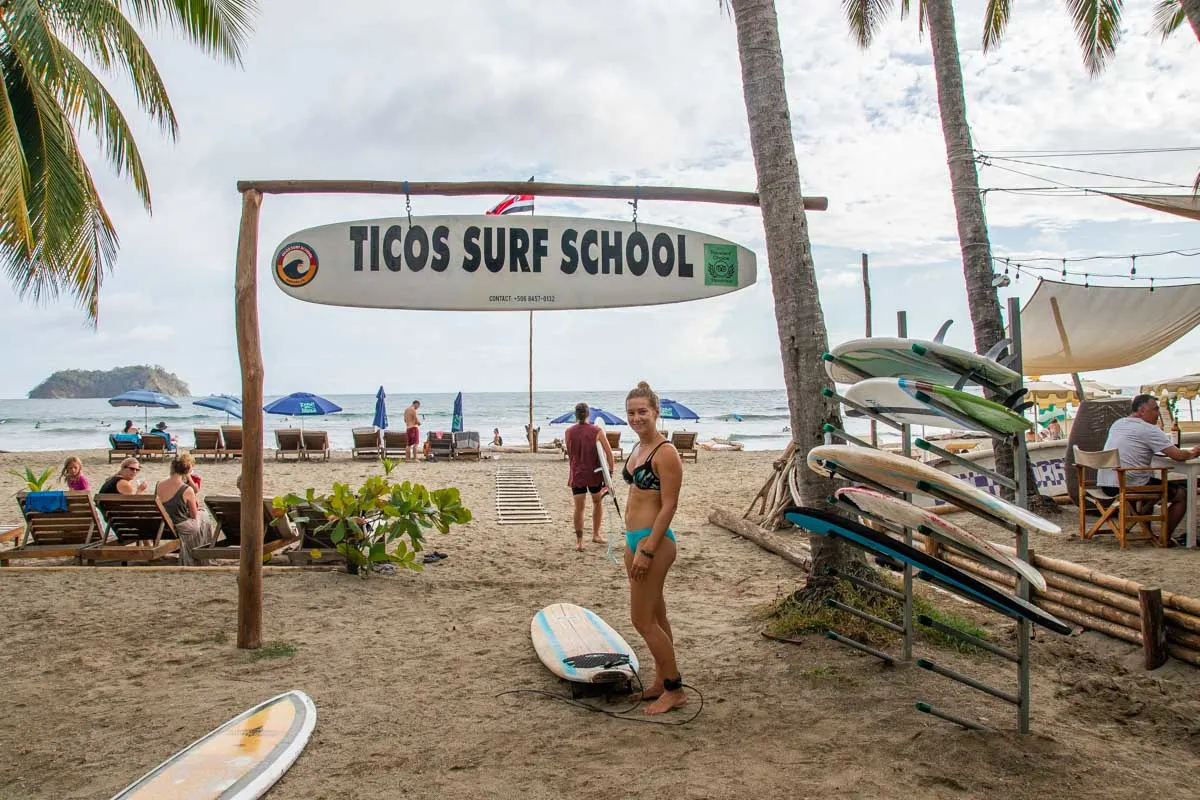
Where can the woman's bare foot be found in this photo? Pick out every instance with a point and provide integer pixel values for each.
(666, 702)
(579, 545)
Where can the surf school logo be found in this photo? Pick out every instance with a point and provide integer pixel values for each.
(296, 264)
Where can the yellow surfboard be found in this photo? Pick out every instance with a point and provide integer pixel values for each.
(240, 760)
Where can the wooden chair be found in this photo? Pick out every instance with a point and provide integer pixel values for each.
(441, 444)
(466, 446)
(614, 441)
(685, 443)
(209, 443)
(56, 534)
(278, 532)
(395, 444)
(288, 443)
(315, 545)
(1118, 514)
(367, 443)
(314, 445)
(154, 447)
(139, 525)
(123, 445)
(231, 436)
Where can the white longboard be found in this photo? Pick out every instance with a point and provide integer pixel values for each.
(576, 645)
(608, 480)
(885, 357)
(907, 515)
(903, 474)
(240, 760)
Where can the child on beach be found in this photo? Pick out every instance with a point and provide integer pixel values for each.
(72, 475)
(654, 485)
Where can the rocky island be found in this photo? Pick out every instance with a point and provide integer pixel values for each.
(76, 383)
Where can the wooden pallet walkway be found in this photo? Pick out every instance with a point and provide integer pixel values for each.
(517, 499)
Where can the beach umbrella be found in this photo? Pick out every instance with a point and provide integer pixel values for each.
(597, 413)
(1051, 414)
(380, 421)
(456, 422)
(145, 399)
(302, 404)
(232, 406)
(669, 409)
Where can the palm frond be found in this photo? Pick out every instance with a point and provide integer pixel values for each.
(219, 27)
(1097, 25)
(1168, 17)
(726, 7)
(865, 18)
(995, 22)
(922, 15)
(14, 179)
(27, 31)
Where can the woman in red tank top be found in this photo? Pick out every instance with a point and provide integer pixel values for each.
(585, 475)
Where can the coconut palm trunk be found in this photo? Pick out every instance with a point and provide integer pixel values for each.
(1191, 10)
(802, 334)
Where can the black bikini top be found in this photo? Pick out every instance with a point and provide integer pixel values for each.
(643, 476)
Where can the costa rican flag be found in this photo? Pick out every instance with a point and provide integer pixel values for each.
(513, 204)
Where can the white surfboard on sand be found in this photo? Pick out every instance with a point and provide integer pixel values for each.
(576, 645)
(902, 474)
(240, 760)
(906, 514)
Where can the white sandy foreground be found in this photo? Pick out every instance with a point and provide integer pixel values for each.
(108, 672)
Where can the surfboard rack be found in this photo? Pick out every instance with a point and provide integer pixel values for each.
(924, 444)
(854, 612)
(886, 524)
(864, 583)
(967, 680)
(966, 638)
(846, 365)
(846, 437)
(864, 410)
(965, 376)
(887, 658)
(970, 725)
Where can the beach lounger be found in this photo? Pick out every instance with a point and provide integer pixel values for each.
(441, 444)
(123, 445)
(139, 527)
(685, 443)
(614, 441)
(366, 443)
(56, 534)
(315, 545)
(466, 445)
(154, 447)
(315, 444)
(288, 443)
(394, 444)
(209, 443)
(278, 532)
(231, 436)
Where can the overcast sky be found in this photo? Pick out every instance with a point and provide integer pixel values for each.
(626, 91)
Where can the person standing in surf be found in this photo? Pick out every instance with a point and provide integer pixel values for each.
(585, 477)
(654, 480)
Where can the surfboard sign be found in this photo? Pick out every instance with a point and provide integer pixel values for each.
(506, 263)
(240, 760)
(576, 645)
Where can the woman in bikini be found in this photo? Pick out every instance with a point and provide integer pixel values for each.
(654, 474)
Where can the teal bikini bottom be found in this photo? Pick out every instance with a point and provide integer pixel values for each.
(634, 538)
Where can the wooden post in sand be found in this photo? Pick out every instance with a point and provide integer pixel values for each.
(1154, 628)
(250, 576)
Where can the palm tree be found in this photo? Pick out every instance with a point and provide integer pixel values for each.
(55, 235)
(1170, 14)
(802, 332)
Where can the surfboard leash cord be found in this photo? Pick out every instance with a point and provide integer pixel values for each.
(621, 715)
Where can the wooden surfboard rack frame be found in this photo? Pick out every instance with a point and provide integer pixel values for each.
(1021, 657)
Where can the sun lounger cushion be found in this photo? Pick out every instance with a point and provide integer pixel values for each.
(45, 502)
(127, 439)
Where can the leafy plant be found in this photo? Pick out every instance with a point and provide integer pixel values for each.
(379, 523)
(34, 483)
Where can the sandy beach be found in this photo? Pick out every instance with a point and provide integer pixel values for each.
(109, 671)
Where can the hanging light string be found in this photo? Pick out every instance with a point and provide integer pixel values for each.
(1061, 271)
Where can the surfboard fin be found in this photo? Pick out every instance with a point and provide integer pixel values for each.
(1011, 400)
(999, 347)
(940, 336)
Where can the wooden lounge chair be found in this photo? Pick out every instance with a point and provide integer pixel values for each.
(56, 534)
(395, 444)
(315, 444)
(123, 445)
(685, 443)
(441, 444)
(288, 443)
(315, 545)
(614, 441)
(366, 443)
(140, 526)
(278, 532)
(231, 435)
(209, 443)
(466, 445)
(154, 447)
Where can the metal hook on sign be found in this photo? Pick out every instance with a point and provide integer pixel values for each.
(407, 204)
(636, 191)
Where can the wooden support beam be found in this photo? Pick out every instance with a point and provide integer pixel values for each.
(785, 549)
(467, 188)
(1154, 628)
(250, 576)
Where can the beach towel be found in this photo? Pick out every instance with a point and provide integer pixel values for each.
(45, 502)
(132, 438)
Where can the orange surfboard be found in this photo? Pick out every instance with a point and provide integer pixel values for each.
(240, 760)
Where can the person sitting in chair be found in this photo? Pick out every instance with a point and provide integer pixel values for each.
(160, 430)
(1137, 438)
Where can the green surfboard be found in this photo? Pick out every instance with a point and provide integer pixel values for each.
(987, 412)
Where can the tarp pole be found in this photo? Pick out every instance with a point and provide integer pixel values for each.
(867, 309)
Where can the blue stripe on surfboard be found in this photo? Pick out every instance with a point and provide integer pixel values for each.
(617, 644)
(554, 643)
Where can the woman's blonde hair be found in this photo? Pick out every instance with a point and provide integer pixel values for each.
(182, 464)
(643, 391)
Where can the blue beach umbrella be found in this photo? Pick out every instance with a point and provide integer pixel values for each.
(456, 422)
(380, 421)
(144, 399)
(597, 413)
(232, 406)
(669, 409)
(302, 404)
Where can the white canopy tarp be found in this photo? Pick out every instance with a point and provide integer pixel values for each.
(1070, 328)
(1181, 205)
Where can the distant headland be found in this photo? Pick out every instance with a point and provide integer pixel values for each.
(76, 383)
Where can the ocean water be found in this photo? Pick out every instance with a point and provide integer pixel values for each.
(31, 425)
